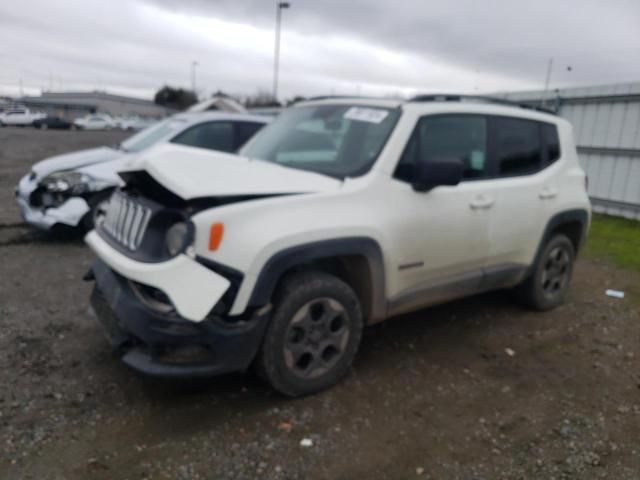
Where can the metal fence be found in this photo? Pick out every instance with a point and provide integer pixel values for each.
(606, 122)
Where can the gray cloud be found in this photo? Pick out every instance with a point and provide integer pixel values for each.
(365, 46)
(516, 38)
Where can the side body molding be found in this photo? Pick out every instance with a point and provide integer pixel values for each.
(326, 249)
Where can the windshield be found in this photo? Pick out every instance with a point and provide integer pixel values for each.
(337, 140)
(152, 135)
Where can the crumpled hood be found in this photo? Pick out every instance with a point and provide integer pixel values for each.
(107, 171)
(70, 161)
(197, 173)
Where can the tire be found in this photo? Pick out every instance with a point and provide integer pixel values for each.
(43, 126)
(313, 335)
(547, 285)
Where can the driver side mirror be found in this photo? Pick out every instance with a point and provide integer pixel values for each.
(435, 173)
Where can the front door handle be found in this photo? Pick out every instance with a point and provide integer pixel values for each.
(482, 202)
(548, 193)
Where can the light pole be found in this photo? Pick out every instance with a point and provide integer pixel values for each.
(276, 57)
(194, 64)
(547, 80)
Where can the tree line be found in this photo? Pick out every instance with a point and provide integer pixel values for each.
(181, 99)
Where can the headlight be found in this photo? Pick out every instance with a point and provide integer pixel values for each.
(176, 238)
(73, 183)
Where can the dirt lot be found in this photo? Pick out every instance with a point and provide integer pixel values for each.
(432, 395)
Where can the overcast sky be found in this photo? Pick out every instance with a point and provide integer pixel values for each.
(367, 47)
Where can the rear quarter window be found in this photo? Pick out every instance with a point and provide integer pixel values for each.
(551, 141)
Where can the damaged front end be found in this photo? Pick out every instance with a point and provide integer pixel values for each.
(151, 337)
(61, 198)
(165, 309)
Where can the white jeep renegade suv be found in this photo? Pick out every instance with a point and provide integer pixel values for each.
(341, 213)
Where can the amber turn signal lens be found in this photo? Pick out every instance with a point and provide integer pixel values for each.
(215, 236)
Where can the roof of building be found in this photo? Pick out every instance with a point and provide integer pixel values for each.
(93, 95)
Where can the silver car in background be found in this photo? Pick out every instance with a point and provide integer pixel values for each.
(65, 189)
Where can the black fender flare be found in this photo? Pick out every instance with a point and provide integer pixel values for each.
(580, 216)
(324, 249)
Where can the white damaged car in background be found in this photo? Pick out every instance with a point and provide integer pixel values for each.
(64, 190)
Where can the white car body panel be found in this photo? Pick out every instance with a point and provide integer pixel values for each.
(71, 161)
(192, 301)
(69, 213)
(194, 172)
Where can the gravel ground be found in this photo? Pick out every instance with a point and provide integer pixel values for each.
(475, 389)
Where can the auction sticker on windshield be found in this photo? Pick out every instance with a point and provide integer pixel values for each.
(362, 114)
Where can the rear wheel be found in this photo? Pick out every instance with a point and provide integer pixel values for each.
(313, 335)
(546, 287)
(43, 126)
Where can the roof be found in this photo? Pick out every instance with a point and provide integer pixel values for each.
(193, 117)
(451, 101)
(364, 101)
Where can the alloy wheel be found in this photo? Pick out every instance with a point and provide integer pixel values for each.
(556, 272)
(317, 338)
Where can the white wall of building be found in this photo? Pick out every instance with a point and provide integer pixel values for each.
(606, 122)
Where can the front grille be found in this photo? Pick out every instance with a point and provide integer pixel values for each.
(126, 221)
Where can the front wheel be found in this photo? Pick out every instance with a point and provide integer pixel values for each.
(548, 283)
(313, 335)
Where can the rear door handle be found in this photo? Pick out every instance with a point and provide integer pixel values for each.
(547, 193)
(482, 202)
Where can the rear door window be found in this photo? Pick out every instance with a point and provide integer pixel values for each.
(210, 135)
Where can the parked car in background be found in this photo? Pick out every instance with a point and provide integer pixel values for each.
(64, 190)
(52, 121)
(133, 123)
(360, 209)
(95, 122)
(19, 117)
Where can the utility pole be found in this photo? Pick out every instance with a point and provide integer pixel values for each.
(276, 57)
(547, 80)
(194, 64)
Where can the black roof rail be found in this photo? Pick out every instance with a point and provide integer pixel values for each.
(446, 97)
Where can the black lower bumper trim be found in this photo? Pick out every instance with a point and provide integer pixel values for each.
(167, 345)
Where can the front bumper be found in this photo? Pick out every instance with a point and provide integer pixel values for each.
(70, 213)
(192, 288)
(167, 345)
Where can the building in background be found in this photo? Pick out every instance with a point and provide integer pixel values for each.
(606, 123)
(72, 105)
